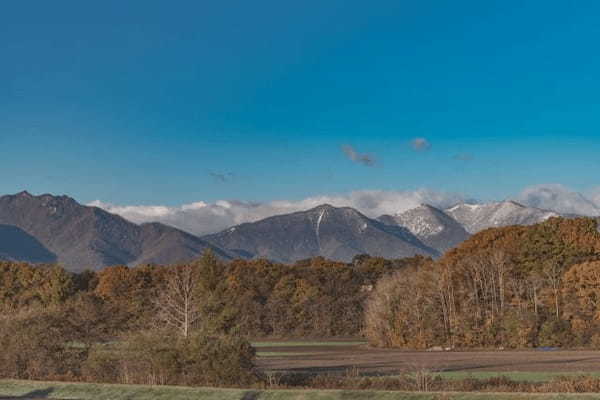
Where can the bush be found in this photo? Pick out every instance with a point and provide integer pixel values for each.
(556, 333)
(220, 360)
(100, 366)
(156, 359)
(35, 345)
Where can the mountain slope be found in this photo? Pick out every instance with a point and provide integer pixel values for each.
(88, 237)
(18, 245)
(335, 233)
(476, 217)
(432, 226)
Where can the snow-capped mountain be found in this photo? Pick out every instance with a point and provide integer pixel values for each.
(341, 233)
(476, 217)
(432, 226)
(331, 232)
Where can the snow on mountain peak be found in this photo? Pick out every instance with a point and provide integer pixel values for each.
(481, 216)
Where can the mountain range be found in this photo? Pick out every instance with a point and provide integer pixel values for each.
(334, 233)
(49, 229)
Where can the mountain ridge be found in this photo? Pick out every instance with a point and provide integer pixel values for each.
(431, 225)
(49, 228)
(476, 217)
(334, 232)
(89, 237)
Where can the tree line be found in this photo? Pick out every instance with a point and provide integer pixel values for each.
(314, 297)
(512, 287)
(184, 324)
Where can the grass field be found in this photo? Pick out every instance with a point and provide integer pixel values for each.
(10, 389)
(283, 354)
(519, 376)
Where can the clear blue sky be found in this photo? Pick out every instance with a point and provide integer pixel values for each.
(139, 101)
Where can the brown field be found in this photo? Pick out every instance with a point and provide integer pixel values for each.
(321, 358)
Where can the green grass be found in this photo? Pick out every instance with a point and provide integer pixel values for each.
(513, 375)
(260, 354)
(85, 391)
(307, 344)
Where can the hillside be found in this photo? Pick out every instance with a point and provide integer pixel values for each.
(83, 237)
(327, 231)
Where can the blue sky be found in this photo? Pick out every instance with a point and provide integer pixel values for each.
(150, 102)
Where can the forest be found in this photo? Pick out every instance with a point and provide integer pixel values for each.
(511, 287)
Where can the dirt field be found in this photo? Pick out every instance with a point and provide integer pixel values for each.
(340, 358)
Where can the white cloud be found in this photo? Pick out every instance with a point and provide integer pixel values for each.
(559, 198)
(202, 218)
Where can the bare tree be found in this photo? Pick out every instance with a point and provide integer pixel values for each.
(554, 278)
(177, 304)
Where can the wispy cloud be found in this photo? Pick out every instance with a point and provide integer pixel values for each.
(360, 158)
(420, 144)
(463, 157)
(222, 176)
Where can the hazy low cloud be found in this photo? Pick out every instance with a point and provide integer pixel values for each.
(420, 144)
(559, 198)
(360, 158)
(202, 218)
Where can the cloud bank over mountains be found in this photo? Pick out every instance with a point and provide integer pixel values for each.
(202, 218)
(559, 198)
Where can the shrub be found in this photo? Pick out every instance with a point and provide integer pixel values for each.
(555, 332)
(156, 359)
(100, 366)
(35, 345)
(220, 360)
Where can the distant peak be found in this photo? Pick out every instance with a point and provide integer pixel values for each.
(427, 206)
(24, 193)
(514, 203)
(464, 205)
(324, 207)
(422, 206)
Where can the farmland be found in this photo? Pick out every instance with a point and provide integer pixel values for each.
(338, 357)
(341, 356)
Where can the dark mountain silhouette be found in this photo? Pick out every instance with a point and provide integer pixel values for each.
(88, 237)
(18, 245)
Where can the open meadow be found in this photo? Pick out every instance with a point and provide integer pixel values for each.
(25, 390)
